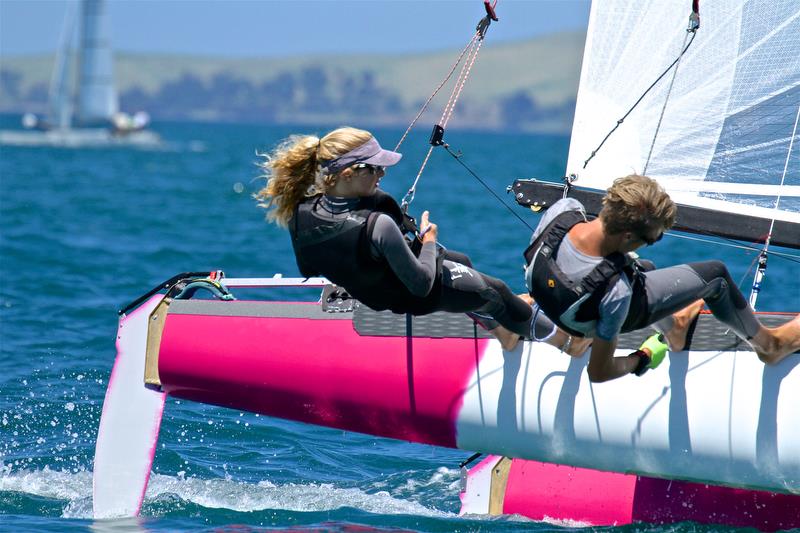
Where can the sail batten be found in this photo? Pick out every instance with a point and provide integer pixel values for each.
(728, 110)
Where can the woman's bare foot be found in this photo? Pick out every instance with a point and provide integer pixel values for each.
(508, 339)
(682, 320)
(773, 345)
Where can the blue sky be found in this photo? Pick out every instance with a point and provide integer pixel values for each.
(257, 28)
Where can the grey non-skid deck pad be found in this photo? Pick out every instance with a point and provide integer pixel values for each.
(709, 335)
(255, 309)
(436, 325)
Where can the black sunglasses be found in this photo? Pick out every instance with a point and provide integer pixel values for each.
(373, 169)
(650, 242)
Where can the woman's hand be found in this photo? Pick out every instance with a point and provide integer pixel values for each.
(429, 231)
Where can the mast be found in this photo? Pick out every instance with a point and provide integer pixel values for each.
(60, 98)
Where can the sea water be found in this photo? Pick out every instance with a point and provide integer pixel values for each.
(83, 232)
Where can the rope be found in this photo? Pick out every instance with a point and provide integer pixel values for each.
(664, 107)
(457, 157)
(432, 96)
(762, 265)
(783, 177)
(734, 244)
(465, 72)
(448, 109)
(471, 53)
(620, 121)
(747, 273)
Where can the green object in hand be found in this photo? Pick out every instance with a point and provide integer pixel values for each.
(657, 347)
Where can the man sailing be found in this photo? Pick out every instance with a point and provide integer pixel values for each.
(584, 278)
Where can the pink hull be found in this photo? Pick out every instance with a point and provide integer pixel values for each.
(321, 371)
(293, 368)
(544, 491)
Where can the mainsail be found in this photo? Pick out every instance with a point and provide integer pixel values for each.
(720, 130)
(96, 97)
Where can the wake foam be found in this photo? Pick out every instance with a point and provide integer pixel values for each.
(76, 490)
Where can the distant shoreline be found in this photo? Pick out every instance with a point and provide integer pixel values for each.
(516, 86)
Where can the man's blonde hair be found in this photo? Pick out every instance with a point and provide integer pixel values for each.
(638, 204)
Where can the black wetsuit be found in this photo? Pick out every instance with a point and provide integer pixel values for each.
(460, 287)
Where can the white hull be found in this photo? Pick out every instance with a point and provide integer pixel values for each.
(721, 417)
(79, 138)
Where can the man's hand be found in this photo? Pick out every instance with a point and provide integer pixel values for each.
(603, 366)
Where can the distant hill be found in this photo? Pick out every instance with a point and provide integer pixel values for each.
(529, 85)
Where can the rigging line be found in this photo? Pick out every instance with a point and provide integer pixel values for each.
(788, 257)
(747, 273)
(620, 121)
(439, 88)
(734, 244)
(448, 110)
(762, 263)
(783, 177)
(472, 54)
(457, 157)
(412, 191)
(468, 65)
(664, 107)
(451, 101)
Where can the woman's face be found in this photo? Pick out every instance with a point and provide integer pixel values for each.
(366, 179)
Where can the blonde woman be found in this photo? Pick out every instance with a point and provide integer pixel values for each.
(325, 191)
(581, 274)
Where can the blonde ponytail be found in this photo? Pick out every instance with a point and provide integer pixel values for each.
(291, 173)
(292, 170)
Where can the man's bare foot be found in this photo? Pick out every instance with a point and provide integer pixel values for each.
(526, 298)
(773, 345)
(578, 346)
(574, 346)
(508, 339)
(682, 320)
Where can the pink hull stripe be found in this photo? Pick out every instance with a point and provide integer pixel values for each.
(321, 372)
(539, 490)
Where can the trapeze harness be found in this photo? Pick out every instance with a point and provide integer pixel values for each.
(575, 305)
(340, 251)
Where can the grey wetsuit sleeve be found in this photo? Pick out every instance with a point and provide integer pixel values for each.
(565, 204)
(614, 309)
(417, 274)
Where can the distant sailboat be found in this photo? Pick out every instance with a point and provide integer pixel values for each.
(83, 105)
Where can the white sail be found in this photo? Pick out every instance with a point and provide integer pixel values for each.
(61, 96)
(729, 111)
(97, 97)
